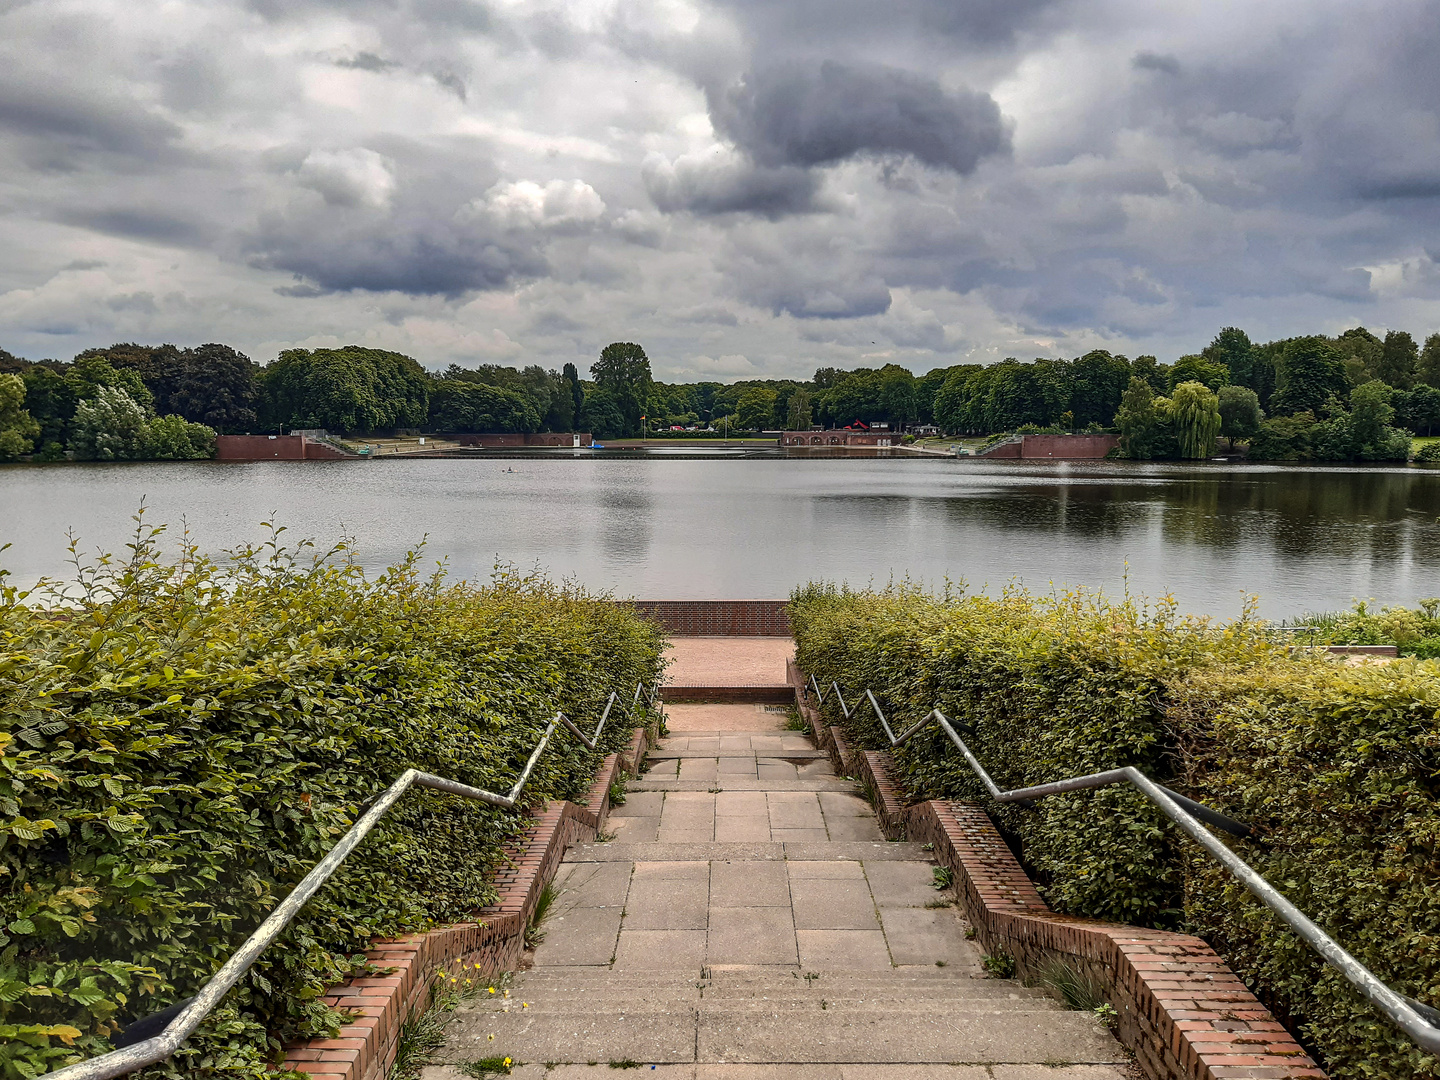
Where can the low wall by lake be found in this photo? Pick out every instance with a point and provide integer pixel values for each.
(717, 618)
(1054, 448)
(273, 448)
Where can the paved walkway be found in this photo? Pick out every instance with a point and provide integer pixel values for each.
(728, 661)
(746, 919)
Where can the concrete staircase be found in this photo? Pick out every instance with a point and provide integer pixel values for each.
(749, 920)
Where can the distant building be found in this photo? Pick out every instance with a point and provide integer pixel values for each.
(836, 437)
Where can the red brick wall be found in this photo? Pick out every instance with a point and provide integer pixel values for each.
(273, 448)
(717, 618)
(1004, 450)
(1060, 447)
(260, 447)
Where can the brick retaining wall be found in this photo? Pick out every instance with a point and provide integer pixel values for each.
(716, 618)
(1180, 1009)
(381, 1004)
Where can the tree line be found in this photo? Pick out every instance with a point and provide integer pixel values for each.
(1355, 396)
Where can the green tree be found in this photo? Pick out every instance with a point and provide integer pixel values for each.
(1233, 349)
(1399, 359)
(571, 375)
(624, 370)
(897, 395)
(1310, 372)
(1240, 413)
(350, 389)
(798, 418)
(1429, 369)
(173, 438)
(854, 395)
(756, 408)
(1195, 412)
(50, 400)
(18, 429)
(1199, 369)
(1418, 408)
(92, 370)
(1015, 397)
(1284, 438)
(1098, 381)
(468, 407)
(112, 426)
(212, 385)
(603, 415)
(1138, 419)
(1153, 372)
(1361, 352)
(157, 366)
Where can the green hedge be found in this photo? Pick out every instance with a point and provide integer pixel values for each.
(188, 739)
(1337, 765)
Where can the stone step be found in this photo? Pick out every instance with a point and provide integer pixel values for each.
(650, 782)
(750, 851)
(621, 999)
(777, 978)
(843, 1071)
(783, 1031)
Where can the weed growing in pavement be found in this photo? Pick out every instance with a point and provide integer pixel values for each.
(944, 878)
(1000, 965)
(488, 1067)
(533, 934)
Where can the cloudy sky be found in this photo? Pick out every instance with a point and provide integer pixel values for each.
(745, 187)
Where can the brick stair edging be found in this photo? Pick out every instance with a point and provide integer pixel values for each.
(367, 1046)
(1180, 1009)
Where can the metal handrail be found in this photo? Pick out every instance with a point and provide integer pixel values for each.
(1416, 1019)
(181, 1019)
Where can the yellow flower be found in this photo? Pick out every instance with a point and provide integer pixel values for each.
(492, 989)
(507, 1063)
(489, 1038)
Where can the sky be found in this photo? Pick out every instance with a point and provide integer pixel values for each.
(748, 189)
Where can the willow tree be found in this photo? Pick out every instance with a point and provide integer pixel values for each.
(1195, 412)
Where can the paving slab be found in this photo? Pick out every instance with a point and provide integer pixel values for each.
(854, 950)
(902, 884)
(685, 718)
(749, 884)
(727, 661)
(659, 950)
(591, 885)
(751, 935)
(766, 1032)
(584, 935)
(927, 936)
(832, 903)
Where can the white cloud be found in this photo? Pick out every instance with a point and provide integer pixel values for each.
(352, 177)
(525, 204)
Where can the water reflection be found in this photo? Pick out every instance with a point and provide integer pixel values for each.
(1302, 538)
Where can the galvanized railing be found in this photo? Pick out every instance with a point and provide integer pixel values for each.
(1416, 1019)
(138, 1047)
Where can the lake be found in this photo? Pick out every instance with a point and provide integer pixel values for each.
(1303, 538)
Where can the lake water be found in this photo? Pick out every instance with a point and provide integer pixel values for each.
(1302, 538)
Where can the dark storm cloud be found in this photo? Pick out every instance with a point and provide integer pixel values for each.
(419, 251)
(138, 224)
(366, 61)
(849, 25)
(67, 122)
(808, 115)
(728, 185)
(1149, 61)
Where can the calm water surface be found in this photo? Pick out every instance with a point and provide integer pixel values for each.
(1301, 538)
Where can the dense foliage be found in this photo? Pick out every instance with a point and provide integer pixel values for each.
(183, 740)
(1287, 399)
(1335, 765)
(1414, 631)
(349, 389)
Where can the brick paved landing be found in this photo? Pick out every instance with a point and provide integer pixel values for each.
(746, 919)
